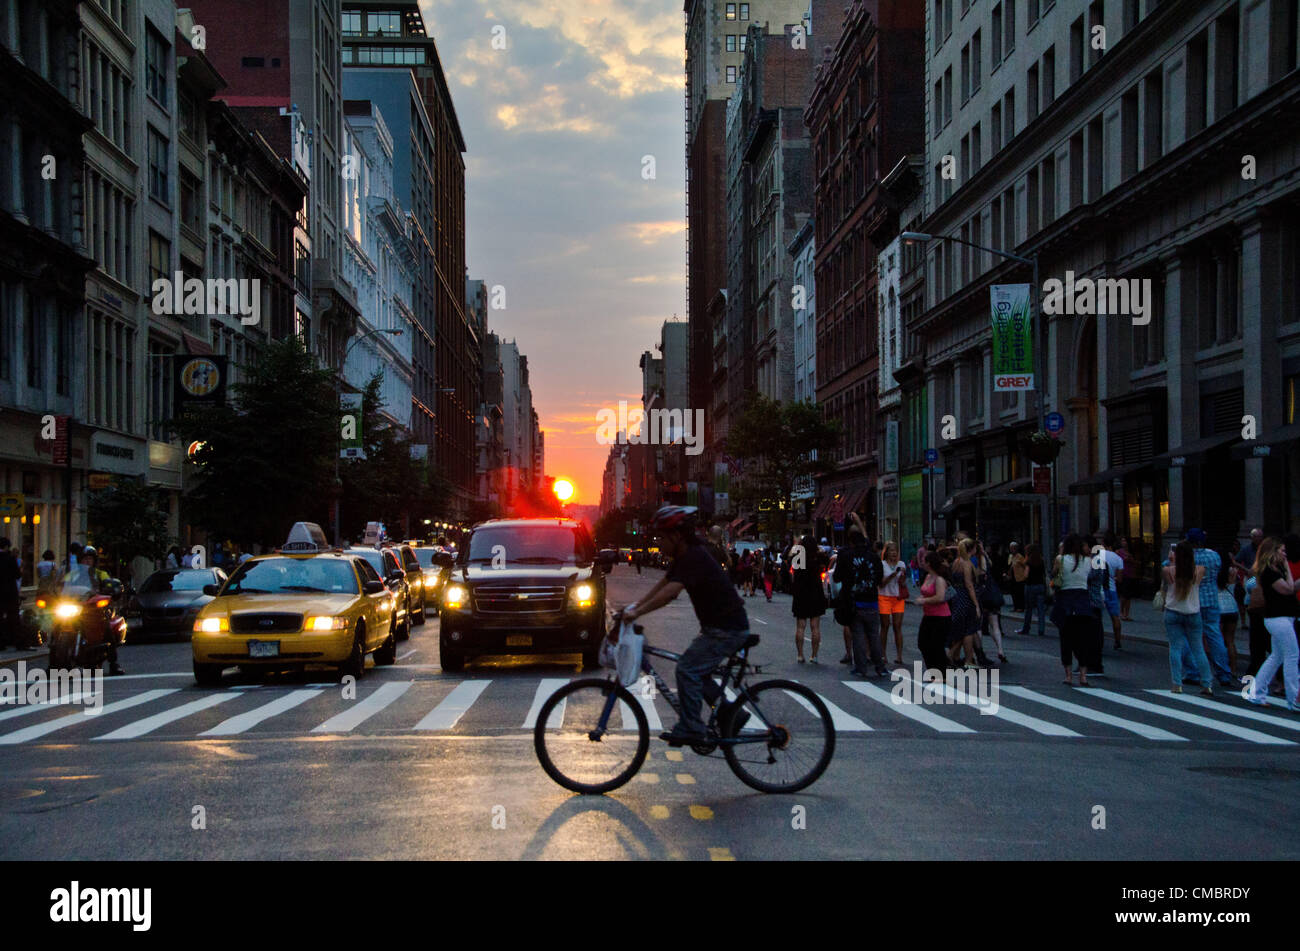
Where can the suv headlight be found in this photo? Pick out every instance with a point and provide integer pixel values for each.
(455, 596)
(582, 595)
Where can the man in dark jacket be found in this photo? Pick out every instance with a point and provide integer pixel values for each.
(859, 571)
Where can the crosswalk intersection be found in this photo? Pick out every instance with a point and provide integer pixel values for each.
(419, 703)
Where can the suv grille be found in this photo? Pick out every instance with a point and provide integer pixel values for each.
(516, 600)
(261, 623)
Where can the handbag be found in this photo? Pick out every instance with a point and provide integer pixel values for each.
(990, 595)
(1256, 602)
(627, 654)
(1158, 602)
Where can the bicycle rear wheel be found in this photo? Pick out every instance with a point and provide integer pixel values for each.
(793, 751)
(570, 746)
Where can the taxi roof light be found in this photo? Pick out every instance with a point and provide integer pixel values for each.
(305, 537)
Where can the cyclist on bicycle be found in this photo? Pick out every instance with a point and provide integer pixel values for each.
(724, 626)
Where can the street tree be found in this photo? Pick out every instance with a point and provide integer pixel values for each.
(779, 443)
(127, 520)
(266, 459)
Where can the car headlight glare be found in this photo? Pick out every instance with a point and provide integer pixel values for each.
(582, 592)
(212, 625)
(454, 596)
(67, 610)
(325, 623)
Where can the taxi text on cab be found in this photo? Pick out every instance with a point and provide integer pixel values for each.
(304, 604)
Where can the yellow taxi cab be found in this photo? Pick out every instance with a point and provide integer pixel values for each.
(305, 604)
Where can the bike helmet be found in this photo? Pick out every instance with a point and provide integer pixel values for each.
(672, 517)
(89, 552)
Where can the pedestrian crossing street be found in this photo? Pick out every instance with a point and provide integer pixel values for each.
(503, 706)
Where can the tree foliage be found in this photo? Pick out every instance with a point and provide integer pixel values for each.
(128, 519)
(777, 443)
(266, 460)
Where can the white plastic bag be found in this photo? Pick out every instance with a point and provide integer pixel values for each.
(627, 654)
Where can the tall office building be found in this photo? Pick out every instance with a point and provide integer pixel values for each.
(384, 36)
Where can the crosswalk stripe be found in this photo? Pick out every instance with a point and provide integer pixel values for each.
(251, 718)
(646, 704)
(41, 729)
(25, 708)
(149, 724)
(1235, 711)
(1045, 727)
(907, 708)
(1240, 732)
(447, 714)
(363, 710)
(1133, 726)
(545, 688)
(842, 721)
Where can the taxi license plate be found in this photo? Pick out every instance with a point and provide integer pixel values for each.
(519, 640)
(263, 648)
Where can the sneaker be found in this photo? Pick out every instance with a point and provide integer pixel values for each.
(846, 659)
(116, 671)
(678, 737)
(882, 671)
(1257, 701)
(1176, 689)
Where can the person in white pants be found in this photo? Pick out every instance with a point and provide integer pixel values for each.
(1280, 611)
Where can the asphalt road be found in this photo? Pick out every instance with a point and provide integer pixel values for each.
(423, 765)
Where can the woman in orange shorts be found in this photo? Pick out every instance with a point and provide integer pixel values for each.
(893, 595)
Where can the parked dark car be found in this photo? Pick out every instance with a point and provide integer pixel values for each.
(170, 600)
(524, 586)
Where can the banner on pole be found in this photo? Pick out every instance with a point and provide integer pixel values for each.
(1013, 348)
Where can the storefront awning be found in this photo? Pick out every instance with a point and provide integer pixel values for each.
(1270, 444)
(854, 500)
(965, 497)
(744, 528)
(1102, 481)
(1192, 453)
(736, 522)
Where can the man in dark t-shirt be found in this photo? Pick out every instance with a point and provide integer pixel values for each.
(724, 626)
(859, 571)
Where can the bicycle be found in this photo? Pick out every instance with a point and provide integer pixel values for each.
(773, 718)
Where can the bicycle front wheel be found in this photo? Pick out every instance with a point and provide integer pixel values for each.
(786, 743)
(573, 748)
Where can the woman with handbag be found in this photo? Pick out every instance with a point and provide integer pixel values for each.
(936, 616)
(965, 608)
(809, 602)
(1073, 613)
(893, 596)
(991, 598)
(1035, 590)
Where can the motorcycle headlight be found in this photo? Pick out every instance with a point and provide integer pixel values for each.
(67, 610)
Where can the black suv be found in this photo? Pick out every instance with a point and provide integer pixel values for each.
(524, 586)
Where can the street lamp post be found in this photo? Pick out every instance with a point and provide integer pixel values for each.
(338, 393)
(1040, 341)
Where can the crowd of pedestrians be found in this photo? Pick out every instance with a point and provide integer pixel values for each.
(1085, 590)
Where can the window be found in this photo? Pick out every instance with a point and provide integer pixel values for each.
(110, 380)
(976, 52)
(995, 126)
(384, 24)
(1077, 171)
(1049, 190)
(1009, 34)
(1031, 94)
(1154, 115)
(995, 36)
(731, 43)
(159, 186)
(744, 11)
(1032, 17)
(743, 37)
(34, 340)
(975, 150)
(1031, 202)
(1198, 89)
(1078, 49)
(947, 94)
(1096, 159)
(965, 73)
(160, 257)
(351, 23)
(1096, 18)
(191, 201)
(1225, 63)
(155, 65)
(731, 11)
(1128, 120)
(731, 74)
(1049, 76)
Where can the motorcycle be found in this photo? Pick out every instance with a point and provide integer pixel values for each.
(83, 626)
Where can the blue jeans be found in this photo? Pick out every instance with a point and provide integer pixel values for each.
(1218, 650)
(694, 684)
(1184, 634)
(865, 631)
(1035, 597)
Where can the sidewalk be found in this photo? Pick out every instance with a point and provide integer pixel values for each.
(1147, 626)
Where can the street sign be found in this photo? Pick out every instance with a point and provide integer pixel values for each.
(100, 480)
(11, 505)
(1043, 480)
(931, 456)
(1055, 423)
(60, 440)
